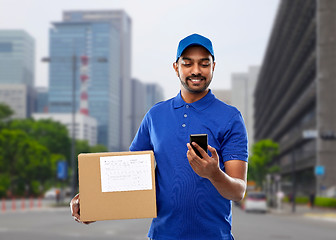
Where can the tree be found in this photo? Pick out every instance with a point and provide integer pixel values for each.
(5, 113)
(98, 148)
(51, 134)
(23, 162)
(82, 146)
(4, 184)
(262, 155)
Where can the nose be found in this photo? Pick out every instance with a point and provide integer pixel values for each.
(196, 70)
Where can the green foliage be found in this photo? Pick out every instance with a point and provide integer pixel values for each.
(4, 184)
(98, 148)
(302, 200)
(319, 201)
(5, 112)
(82, 146)
(23, 159)
(35, 187)
(30, 151)
(262, 154)
(325, 202)
(51, 134)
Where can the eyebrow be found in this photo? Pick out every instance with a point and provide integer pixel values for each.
(202, 59)
(186, 58)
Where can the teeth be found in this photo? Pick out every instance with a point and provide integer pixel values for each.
(195, 80)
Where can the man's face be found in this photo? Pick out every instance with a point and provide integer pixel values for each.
(195, 69)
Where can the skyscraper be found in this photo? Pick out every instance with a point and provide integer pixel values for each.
(154, 94)
(144, 96)
(41, 100)
(99, 35)
(123, 23)
(139, 104)
(17, 69)
(243, 85)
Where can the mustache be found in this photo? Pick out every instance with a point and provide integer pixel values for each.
(199, 76)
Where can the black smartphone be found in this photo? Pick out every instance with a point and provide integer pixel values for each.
(201, 140)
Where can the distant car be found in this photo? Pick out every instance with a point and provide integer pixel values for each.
(255, 202)
(51, 193)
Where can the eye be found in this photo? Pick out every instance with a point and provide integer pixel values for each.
(205, 64)
(187, 64)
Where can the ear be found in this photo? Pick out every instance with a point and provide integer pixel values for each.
(175, 66)
(213, 68)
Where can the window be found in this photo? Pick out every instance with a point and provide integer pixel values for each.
(6, 47)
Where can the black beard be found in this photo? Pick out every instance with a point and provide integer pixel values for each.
(185, 85)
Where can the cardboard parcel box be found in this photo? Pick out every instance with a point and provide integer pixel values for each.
(117, 185)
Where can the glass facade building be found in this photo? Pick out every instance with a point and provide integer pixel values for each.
(144, 96)
(41, 100)
(100, 42)
(17, 63)
(17, 57)
(123, 24)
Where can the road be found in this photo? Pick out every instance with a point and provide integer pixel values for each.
(274, 226)
(56, 223)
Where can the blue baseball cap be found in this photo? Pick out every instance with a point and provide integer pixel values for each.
(194, 39)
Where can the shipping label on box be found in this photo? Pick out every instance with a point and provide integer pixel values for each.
(117, 185)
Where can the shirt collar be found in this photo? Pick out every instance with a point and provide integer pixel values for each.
(198, 105)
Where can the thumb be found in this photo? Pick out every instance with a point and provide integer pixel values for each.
(213, 152)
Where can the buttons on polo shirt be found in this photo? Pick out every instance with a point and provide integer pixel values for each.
(185, 115)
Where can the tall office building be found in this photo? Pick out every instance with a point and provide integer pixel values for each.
(243, 85)
(224, 95)
(123, 23)
(154, 94)
(16, 97)
(41, 100)
(144, 96)
(139, 104)
(295, 95)
(102, 36)
(17, 67)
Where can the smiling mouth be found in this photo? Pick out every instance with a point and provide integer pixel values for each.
(196, 80)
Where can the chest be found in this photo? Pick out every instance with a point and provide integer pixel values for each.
(171, 129)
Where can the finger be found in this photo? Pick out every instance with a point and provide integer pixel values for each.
(74, 207)
(201, 150)
(88, 222)
(194, 160)
(213, 152)
(191, 153)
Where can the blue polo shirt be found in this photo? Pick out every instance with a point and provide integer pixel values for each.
(189, 206)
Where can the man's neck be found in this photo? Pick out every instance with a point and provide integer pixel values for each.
(189, 97)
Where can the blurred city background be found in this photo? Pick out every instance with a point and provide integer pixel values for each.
(78, 76)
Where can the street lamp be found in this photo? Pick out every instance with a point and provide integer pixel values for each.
(73, 121)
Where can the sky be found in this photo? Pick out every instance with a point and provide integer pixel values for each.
(239, 30)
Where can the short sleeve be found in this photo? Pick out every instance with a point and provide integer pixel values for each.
(234, 145)
(141, 141)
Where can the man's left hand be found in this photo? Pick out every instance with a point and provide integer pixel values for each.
(206, 167)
